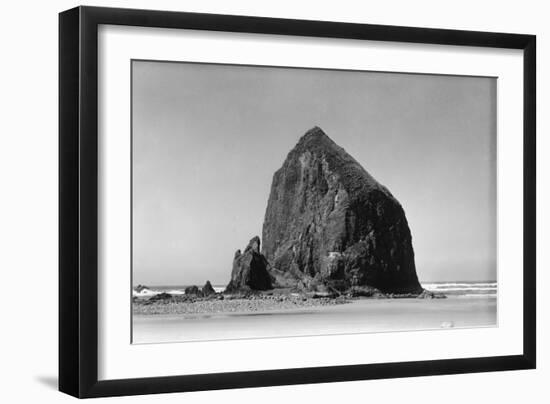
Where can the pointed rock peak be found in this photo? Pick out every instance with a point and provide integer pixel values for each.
(207, 289)
(315, 134)
(253, 244)
(315, 138)
(249, 270)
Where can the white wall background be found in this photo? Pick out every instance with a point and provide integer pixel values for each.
(28, 202)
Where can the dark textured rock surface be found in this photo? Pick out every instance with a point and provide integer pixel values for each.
(330, 222)
(207, 289)
(249, 269)
(140, 288)
(364, 291)
(193, 290)
(160, 297)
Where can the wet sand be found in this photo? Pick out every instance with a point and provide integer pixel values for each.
(359, 316)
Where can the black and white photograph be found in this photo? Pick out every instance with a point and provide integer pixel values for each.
(273, 201)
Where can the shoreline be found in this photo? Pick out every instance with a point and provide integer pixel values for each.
(255, 302)
(355, 316)
(230, 305)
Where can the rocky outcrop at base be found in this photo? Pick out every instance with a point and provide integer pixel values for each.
(140, 288)
(160, 297)
(193, 290)
(207, 289)
(249, 269)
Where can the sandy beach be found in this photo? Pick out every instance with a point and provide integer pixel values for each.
(356, 316)
(215, 305)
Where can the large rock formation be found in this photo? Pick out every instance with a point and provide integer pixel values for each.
(330, 222)
(249, 269)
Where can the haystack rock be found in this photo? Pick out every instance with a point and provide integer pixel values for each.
(330, 222)
(249, 269)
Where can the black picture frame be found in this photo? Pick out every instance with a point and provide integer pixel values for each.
(78, 201)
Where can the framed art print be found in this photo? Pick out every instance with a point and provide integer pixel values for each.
(300, 201)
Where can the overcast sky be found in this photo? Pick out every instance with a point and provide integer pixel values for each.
(208, 138)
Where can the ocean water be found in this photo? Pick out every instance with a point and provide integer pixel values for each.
(173, 290)
(454, 288)
(463, 288)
